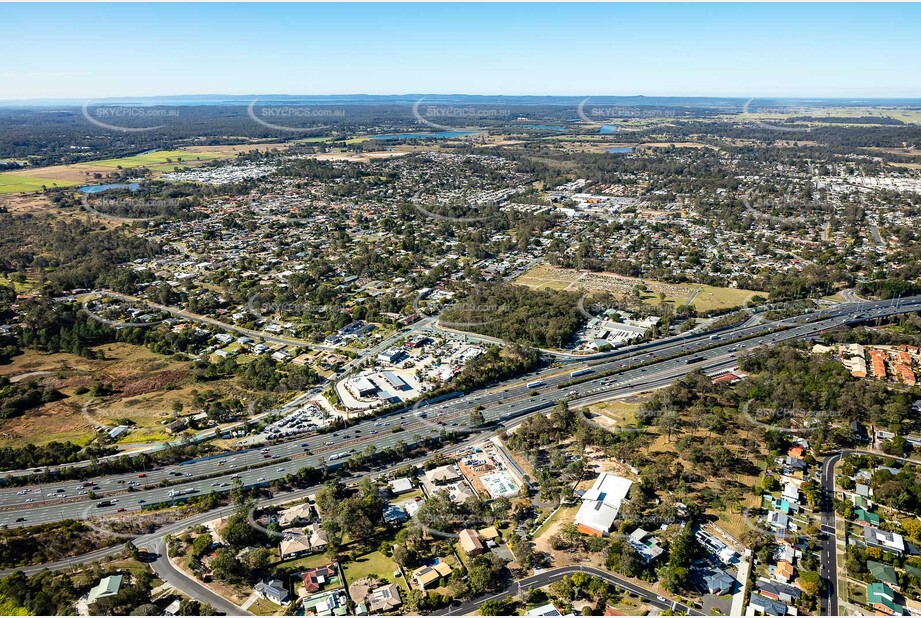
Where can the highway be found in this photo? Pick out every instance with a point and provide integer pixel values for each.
(638, 371)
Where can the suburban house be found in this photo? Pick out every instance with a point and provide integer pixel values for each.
(384, 599)
(863, 517)
(428, 576)
(315, 579)
(883, 573)
(885, 540)
(779, 591)
(470, 543)
(401, 486)
(298, 542)
(394, 514)
(784, 572)
(601, 503)
(107, 587)
(882, 599)
(295, 515)
(776, 519)
(646, 546)
(758, 604)
(443, 475)
(719, 582)
(272, 590)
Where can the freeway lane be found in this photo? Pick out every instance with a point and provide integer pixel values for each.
(549, 576)
(500, 404)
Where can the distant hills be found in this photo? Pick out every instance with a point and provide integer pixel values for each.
(409, 99)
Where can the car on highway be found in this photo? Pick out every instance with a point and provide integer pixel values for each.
(121, 510)
(142, 475)
(20, 519)
(260, 479)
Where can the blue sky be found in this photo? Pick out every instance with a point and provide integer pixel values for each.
(746, 50)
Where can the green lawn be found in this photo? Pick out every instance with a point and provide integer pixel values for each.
(263, 607)
(307, 562)
(371, 564)
(14, 183)
(158, 158)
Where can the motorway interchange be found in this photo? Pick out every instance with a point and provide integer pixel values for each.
(638, 369)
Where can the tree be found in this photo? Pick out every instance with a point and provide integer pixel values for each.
(257, 559)
(497, 607)
(200, 545)
(811, 583)
(487, 572)
(476, 417)
(225, 565)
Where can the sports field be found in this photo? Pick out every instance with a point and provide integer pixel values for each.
(16, 183)
(703, 297)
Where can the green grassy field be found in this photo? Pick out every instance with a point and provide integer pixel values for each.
(14, 183)
(372, 564)
(159, 158)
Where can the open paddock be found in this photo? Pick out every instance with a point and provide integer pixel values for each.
(703, 297)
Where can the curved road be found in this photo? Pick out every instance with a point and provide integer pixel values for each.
(549, 576)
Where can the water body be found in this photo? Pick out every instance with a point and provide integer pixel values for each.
(431, 135)
(621, 149)
(608, 128)
(131, 186)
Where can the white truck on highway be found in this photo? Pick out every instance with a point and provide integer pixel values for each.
(173, 493)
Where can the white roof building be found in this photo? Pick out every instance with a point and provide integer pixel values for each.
(601, 503)
(545, 610)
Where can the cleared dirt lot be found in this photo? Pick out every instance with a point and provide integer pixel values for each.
(703, 297)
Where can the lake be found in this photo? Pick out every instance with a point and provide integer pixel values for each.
(431, 135)
(131, 186)
(608, 128)
(617, 149)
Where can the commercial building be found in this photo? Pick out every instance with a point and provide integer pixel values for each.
(601, 503)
